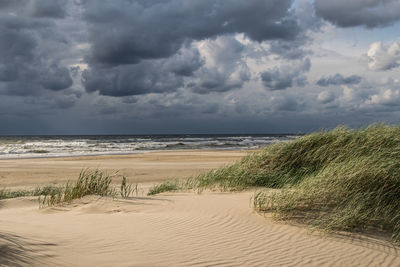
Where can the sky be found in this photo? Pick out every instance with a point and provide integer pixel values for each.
(197, 66)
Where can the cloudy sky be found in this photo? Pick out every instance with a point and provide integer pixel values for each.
(197, 66)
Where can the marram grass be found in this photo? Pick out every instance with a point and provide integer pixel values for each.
(90, 182)
(165, 187)
(335, 180)
(39, 191)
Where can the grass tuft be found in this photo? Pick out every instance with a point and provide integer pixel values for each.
(167, 186)
(90, 182)
(127, 189)
(39, 191)
(6, 193)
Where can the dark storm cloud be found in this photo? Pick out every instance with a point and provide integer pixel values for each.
(185, 62)
(275, 80)
(26, 64)
(367, 13)
(7, 3)
(158, 37)
(213, 80)
(284, 103)
(126, 80)
(57, 78)
(286, 76)
(125, 32)
(35, 8)
(149, 76)
(169, 74)
(48, 8)
(339, 79)
(52, 101)
(189, 66)
(307, 21)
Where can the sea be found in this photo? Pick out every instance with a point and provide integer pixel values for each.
(63, 146)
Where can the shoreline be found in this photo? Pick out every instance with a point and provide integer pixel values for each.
(249, 150)
(71, 156)
(129, 153)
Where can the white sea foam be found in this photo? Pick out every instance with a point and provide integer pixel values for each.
(56, 146)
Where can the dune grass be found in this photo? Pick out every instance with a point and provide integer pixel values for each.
(336, 180)
(38, 191)
(167, 186)
(90, 182)
(126, 189)
(6, 193)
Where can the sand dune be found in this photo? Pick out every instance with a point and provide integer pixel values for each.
(185, 229)
(181, 229)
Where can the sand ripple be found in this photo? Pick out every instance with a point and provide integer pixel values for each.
(212, 229)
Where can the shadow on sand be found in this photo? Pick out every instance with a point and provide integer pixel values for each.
(18, 251)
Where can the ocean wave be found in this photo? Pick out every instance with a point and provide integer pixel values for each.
(54, 146)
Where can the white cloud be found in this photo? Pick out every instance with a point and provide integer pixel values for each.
(348, 94)
(388, 97)
(325, 97)
(383, 56)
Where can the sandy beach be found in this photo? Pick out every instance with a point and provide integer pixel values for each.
(170, 229)
(139, 168)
